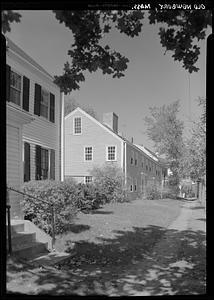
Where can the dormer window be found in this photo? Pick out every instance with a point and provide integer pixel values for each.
(77, 125)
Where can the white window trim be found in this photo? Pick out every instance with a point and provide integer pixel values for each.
(85, 179)
(75, 117)
(91, 153)
(115, 153)
(21, 94)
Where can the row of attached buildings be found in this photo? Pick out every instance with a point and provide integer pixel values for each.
(43, 144)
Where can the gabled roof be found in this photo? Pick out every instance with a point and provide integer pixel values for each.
(106, 128)
(121, 138)
(14, 48)
(145, 150)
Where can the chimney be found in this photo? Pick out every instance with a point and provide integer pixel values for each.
(111, 120)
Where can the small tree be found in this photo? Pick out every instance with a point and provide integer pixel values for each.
(72, 104)
(165, 130)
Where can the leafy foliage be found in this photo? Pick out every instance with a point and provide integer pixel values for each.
(183, 30)
(193, 162)
(180, 32)
(165, 130)
(109, 180)
(8, 16)
(61, 195)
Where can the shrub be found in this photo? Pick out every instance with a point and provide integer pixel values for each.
(153, 192)
(109, 182)
(60, 194)
(89, 197)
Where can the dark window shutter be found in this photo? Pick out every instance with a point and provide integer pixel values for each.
(52, 108)
(37, 99)
(52, 169)
(26, 93)
(38, 163)
(26, 161)
(8, 82)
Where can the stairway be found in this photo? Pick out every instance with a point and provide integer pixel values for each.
(32, 245)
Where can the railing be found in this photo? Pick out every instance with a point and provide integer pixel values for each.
(38, 199)
(8, 226)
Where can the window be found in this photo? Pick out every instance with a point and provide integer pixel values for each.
(45, 163)
(44, 105)
(142, 163)
(15, 87)
(132, 158)
(88, 179)
(88, 153)
(135, 185)
(77, 125)
(111, 153)
(146, 168)
(136, 158)
(131, 188)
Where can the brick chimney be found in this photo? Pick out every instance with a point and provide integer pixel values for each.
(111, 120)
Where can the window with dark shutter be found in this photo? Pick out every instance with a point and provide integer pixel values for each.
(52, 164)
(38, 163)
(26, 161)
(26, 90)
(52, 108)
(37, 99)
(8, 82)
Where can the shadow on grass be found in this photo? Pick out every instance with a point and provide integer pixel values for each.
(101, 212)
(144, 261)
(77, 228)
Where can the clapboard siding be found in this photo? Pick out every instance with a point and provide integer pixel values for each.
(13, 168)
(40, 130)
(92, 135)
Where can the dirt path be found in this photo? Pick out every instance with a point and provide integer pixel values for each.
(129, 249)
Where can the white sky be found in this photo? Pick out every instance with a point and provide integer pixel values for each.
(152, 78)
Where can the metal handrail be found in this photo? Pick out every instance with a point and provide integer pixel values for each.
(39, 199)
(8, 226)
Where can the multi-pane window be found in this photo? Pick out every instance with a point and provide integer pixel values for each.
(135, 185)
(88, 153)
(136, 158)
(132, 158)
(15, 87)
(111, 153)
(77, 125)
(44, 163)
(44, 104)
(88, 179)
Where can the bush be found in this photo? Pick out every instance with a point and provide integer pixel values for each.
(89, 197)
(61, 194)
(153, 192)
(109, 182)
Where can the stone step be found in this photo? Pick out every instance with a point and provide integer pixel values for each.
(21, 240)
(31, 249)
(19, 227)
